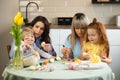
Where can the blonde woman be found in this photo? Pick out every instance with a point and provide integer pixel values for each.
(73, 43)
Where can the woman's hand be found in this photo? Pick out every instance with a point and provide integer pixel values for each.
(47, 47)
(65, 51)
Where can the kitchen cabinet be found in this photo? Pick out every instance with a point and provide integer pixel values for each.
(115, 54)
(113, 36)
(54, 35)
(58, 37)
(114, 40)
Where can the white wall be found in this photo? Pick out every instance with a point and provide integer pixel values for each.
(8, 10)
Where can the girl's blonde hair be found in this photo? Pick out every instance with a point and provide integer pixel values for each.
(27, 30)
(101, 30)
(80, 21)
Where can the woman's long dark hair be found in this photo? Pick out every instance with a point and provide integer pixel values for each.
(45, 36)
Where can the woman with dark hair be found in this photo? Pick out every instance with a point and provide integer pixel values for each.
(41, 28)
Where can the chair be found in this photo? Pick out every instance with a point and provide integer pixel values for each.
(8, 50)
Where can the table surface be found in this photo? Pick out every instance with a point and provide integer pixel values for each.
(61, 72)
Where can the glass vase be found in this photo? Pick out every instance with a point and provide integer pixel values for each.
(17, 59)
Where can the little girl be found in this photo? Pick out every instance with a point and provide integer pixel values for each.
(31, 53)
(96, 42)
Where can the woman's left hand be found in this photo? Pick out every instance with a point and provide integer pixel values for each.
(47, 47)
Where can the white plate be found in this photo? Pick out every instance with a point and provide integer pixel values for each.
(85, 61)
(88, 65)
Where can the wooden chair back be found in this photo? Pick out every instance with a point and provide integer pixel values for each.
(8, 50)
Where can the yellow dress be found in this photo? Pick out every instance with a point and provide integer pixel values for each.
(91, 48)
(94, 50)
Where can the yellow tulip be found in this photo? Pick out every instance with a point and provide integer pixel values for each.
(18, 20)
(16, 17)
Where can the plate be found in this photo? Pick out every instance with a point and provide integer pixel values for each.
(85, 61)
(89, 65)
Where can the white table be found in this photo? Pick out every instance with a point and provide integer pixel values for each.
(60, 73)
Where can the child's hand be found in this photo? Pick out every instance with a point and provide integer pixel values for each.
(36, 53)
(52, 57)
(85, 56)
(25, 47)
(106, 59)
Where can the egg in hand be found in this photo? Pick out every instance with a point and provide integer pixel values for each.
(43, 44)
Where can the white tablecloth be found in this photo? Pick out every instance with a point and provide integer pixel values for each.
(61, 72)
